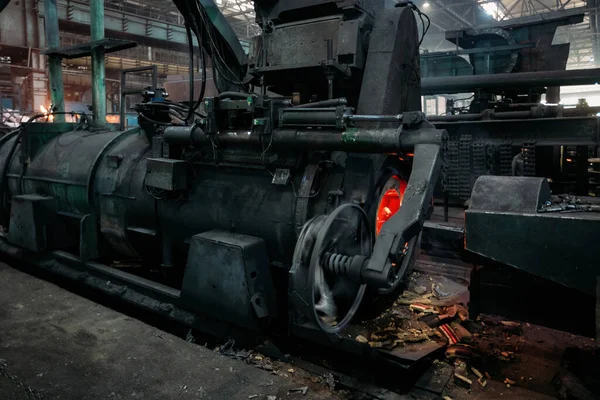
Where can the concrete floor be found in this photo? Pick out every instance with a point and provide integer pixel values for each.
(55, 344)
(62, 346)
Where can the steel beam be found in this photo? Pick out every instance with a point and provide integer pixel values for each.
(74, 16)
(468, 83)
(98, 68)
(54, 63)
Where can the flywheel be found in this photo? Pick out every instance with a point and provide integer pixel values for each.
(319, 288)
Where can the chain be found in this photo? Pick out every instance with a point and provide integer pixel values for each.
(445, 152)
(491, 156)
(452, 176)
(529, 166)
(465, 153)
(506, 158)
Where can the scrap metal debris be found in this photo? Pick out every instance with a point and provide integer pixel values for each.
(566, 203)
(392, 336)
(431, 309)
(510, 323)
(420, 290)
(463, 380)
(330, 380)
(190, 337)
(509, 381)
(362, 339)
(461, 351)
(302, 390)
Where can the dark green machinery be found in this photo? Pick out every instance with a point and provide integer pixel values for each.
(249, 211)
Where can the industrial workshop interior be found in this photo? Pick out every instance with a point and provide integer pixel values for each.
(299, 199)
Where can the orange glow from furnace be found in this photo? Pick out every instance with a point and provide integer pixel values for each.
(45, 111)
(113, 119)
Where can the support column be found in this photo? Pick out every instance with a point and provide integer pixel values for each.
(98, 68)
(54, 64)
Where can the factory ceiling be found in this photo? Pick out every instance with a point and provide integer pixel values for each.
(445, 15)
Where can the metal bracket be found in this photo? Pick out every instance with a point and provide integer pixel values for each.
(408, 222)
(260, 306)
(281, 177)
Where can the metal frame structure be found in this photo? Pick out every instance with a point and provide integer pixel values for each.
(125, 92)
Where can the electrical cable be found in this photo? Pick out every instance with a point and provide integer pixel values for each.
(262, 156)
(173, 106)
(190, 114)
(464, 99)
(203, 87)
(218, 62)
(421, 15)
(425, 29)
(199, 38)
(46, 115)
(202, 63)
(153, 121)
(213, 47)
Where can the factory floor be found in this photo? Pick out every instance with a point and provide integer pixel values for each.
(57, 345)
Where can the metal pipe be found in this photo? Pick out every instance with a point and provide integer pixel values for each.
(54, 64)
(465, 84)
(539, 111)
(374, 118)
(452, 118)
(355, 140)
(328, 117)
(342, 101)
(513, 114)
(98, 67)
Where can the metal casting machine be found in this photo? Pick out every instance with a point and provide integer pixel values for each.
(252, 207)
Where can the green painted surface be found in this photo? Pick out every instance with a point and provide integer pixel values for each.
(57, 94)
(63, 161)
(98, 68)
(38, 135)
(350, 135)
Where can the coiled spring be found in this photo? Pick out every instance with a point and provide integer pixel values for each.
(338, 264)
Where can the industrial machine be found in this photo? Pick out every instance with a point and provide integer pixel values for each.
(245, 209)
(513, 46)
(501, 116)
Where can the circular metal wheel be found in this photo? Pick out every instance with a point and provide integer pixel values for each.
(330, 300)
(390, 202)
